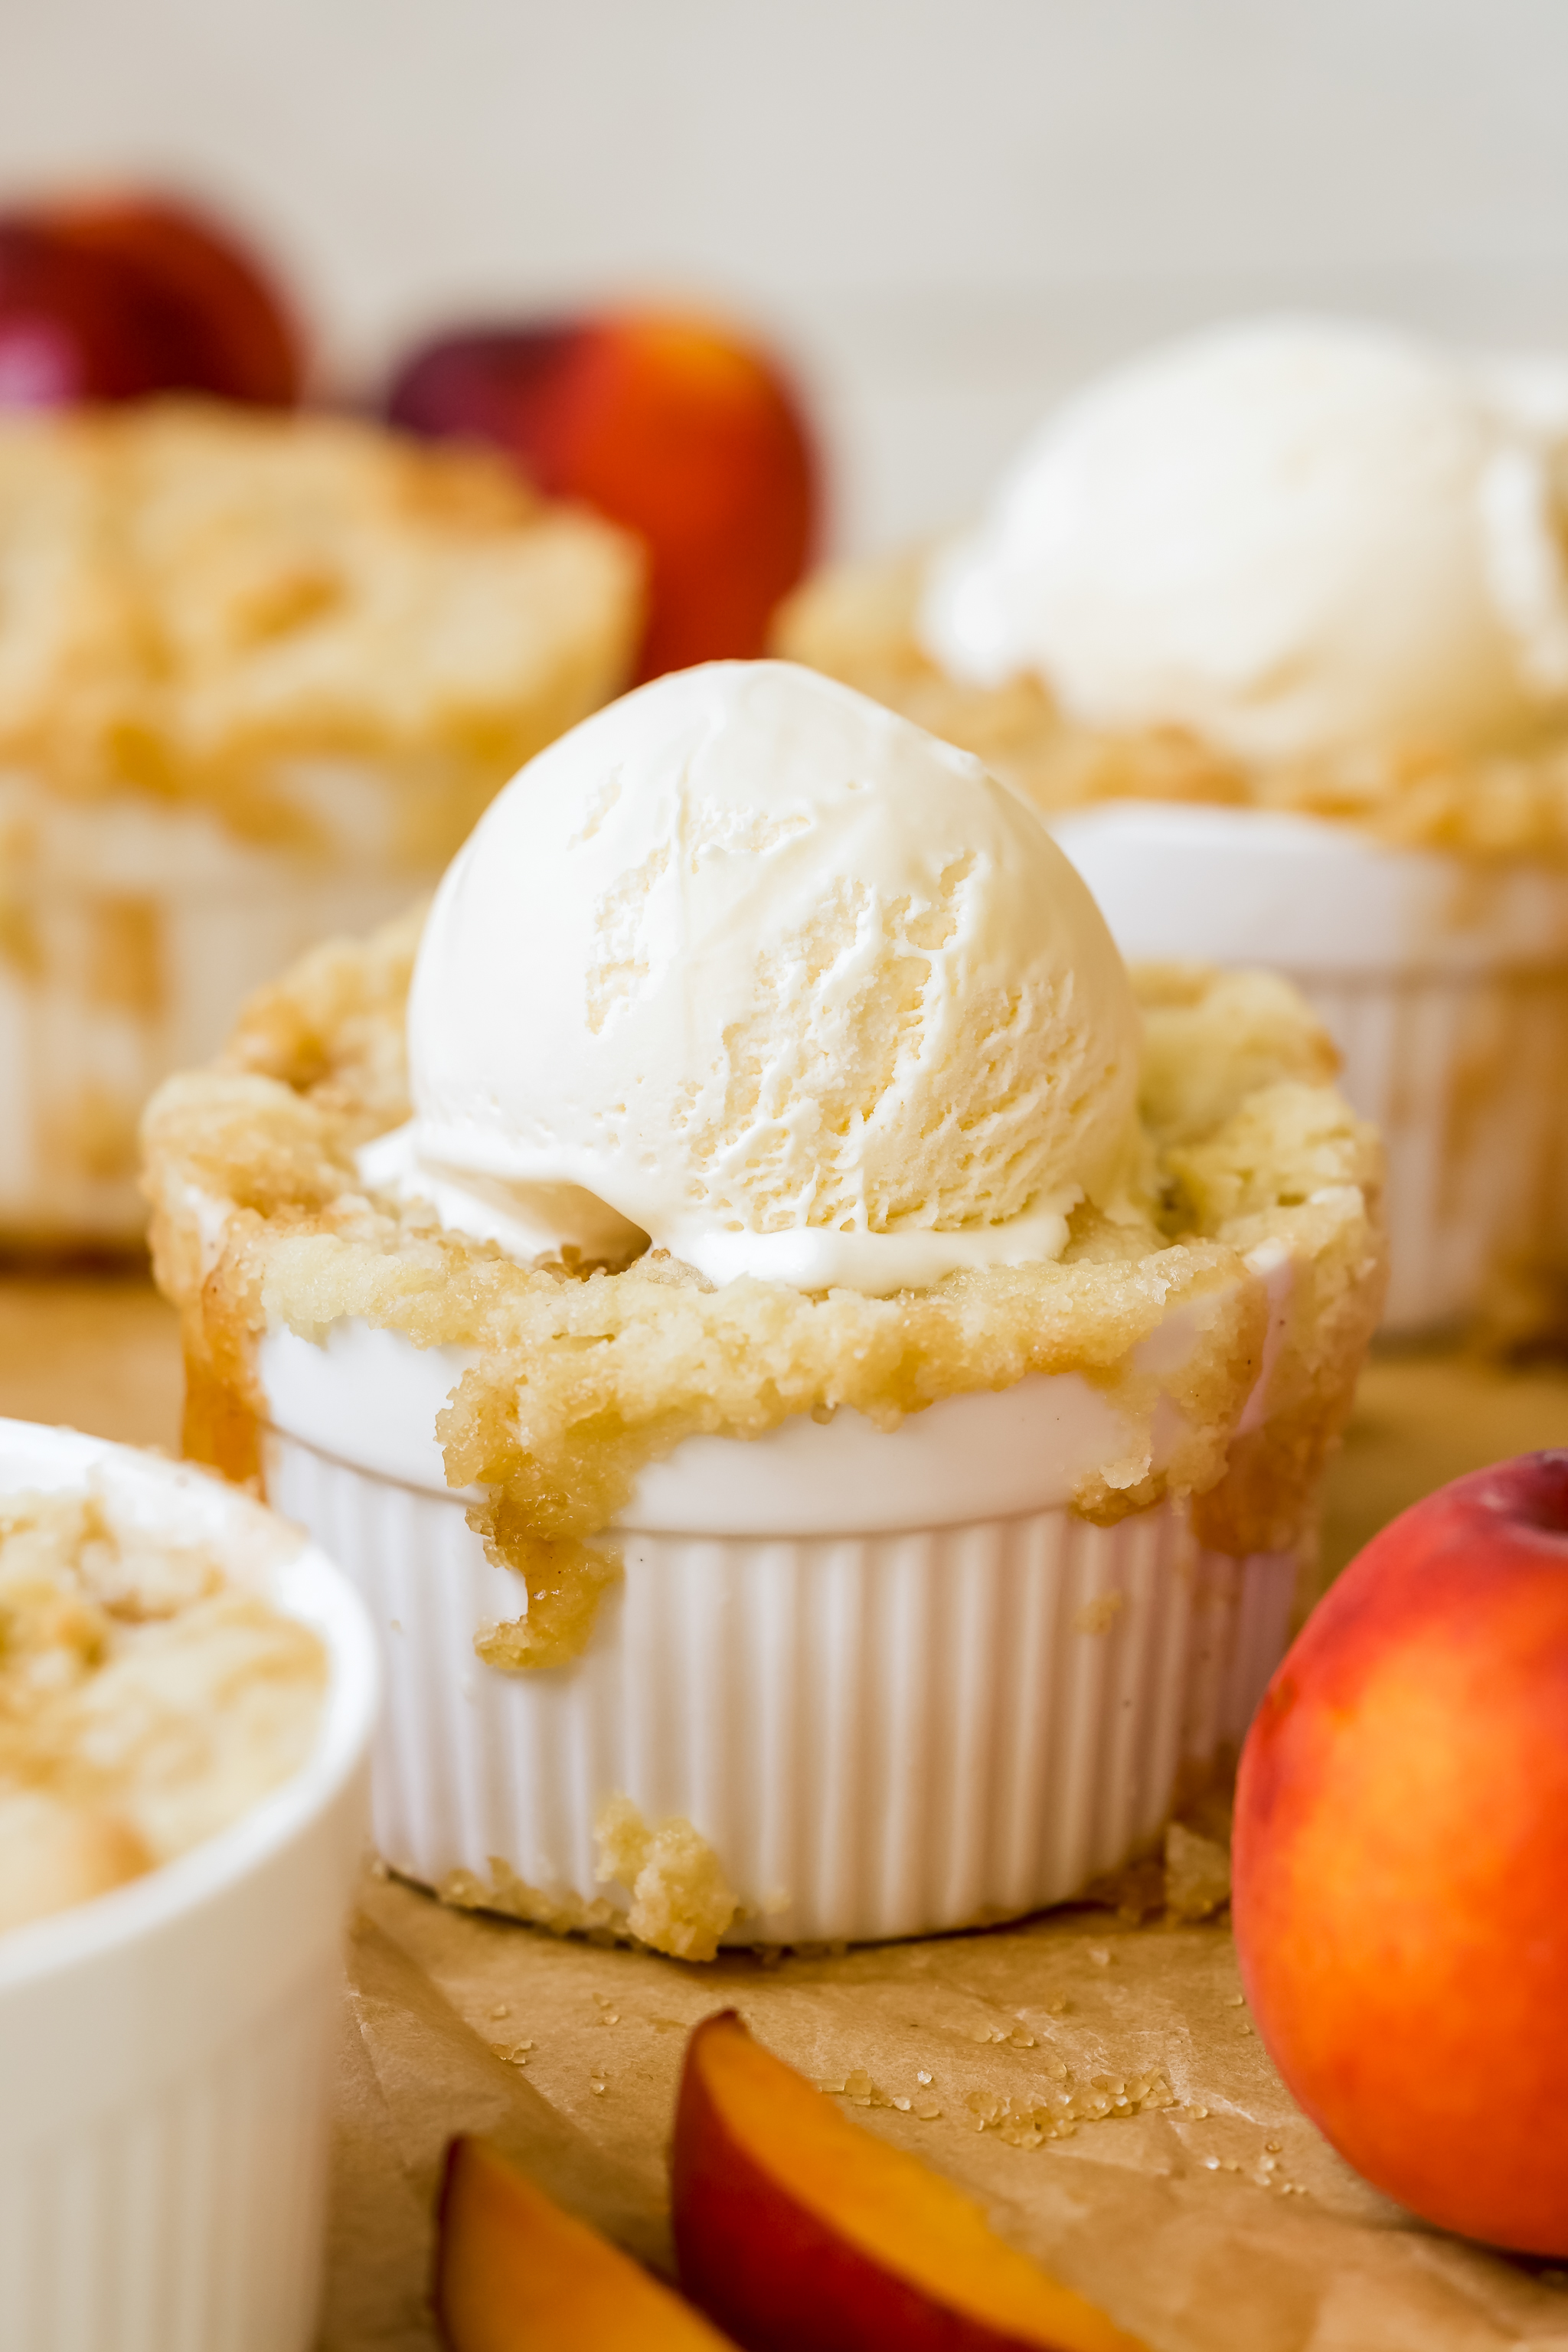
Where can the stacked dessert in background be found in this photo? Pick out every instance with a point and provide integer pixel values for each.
(260, 670)
(821, 1378)
(1274, 626)
(258, 675)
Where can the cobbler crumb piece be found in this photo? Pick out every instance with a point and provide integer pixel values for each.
(680, 1903)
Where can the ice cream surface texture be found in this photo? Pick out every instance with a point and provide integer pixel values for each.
(752, 966)
(1291, 537)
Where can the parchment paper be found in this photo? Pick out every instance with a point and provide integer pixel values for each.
(1218, 2223)
(1233, 2230)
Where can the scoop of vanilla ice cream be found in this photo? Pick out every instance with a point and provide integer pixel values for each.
(771, 975)
(1291, 537)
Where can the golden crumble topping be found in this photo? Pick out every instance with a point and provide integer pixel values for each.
(145, 1701)
(857, 623)
(193, 598)
(681, 1901)
(581, 1375)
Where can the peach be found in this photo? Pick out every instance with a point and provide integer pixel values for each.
(244, 340)
(794, 2226)
(1401, 1858)
(514, 2273)
(70, 329)
(109, 297)
(668, 425)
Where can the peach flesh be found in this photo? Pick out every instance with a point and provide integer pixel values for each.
(516, 2274)
(668, 426)
(1401, 1858)
(794, 2227)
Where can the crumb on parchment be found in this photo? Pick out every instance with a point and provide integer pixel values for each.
(680, 1903)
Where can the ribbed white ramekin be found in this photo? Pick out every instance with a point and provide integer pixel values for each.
(1444, 985)
(127, 962)
(165, 2049)
(1466, 1075)
(884, 1716)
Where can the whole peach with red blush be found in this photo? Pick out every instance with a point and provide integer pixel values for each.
(669, 424)
(70, 329)
(106, 297)
(1401, 1859)
(246, 342)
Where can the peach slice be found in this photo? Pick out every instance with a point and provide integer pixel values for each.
(514, 2273)
(796, 2227)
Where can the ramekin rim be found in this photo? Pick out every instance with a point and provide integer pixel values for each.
(87, 1932)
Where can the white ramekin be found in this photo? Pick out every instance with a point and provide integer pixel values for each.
(1444, 985)
(893, 1683)
(166, 2049)
(129, 940)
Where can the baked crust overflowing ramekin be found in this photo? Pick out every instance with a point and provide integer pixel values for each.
(668, 1677)
(583, 1375)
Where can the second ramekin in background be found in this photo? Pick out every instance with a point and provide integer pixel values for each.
(1443, 981)
(1271, 624)
(165, 2048)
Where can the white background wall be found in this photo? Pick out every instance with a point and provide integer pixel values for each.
(945, 208)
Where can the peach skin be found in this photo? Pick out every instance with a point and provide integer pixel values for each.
(1401, 1857)
(71, 329)
(669, 424)
(515, 2274)
(223, 306)
(112, 296)
(796, 2227)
